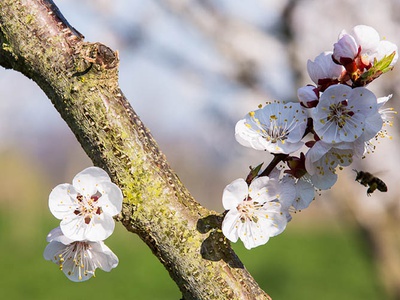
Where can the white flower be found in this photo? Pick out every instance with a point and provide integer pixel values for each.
(323, 68)
(254, 214)
(341, 113)
(363, 42)
(322, 160)
(78, 259)
(277, 128)
(86, 208)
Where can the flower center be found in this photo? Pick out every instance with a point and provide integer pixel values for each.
(276, 130)
(339, 113)
(78, 259)
(247, 210)
(88, 206)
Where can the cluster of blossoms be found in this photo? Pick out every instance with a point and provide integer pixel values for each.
(334, 120)
(86, 209)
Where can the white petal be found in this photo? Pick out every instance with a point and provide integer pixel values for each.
(230, 225)
(386, 48)
(274, 221)
(275, 174)
(274, 189)
(366, 36)
(86, 182)
(363, 100)
(258, 189)
(252, 235)
(100, 228)
(382, 100)
(74, 227)
(287, 147)
(358, 148)
(57, 236)
(324, 68)
(248, 137)
(345, 47)
(314, 71)
(111, 198)
(52, 250)
(234, 193)
(305, 194)
(373, 125)
(62, 200)
(325, 181)
(287, 191)
(54, 234)
(307, 94)
(314, 154)
(336, 93)
(103, 257)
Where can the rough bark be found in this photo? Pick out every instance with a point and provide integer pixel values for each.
(81, 80)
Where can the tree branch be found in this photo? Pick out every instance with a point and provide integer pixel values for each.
(81, 80)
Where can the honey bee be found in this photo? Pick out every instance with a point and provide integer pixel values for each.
(373, 183)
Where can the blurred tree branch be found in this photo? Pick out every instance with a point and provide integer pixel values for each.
(81, 80)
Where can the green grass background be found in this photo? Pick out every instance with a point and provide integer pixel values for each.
(306, 264)
(307, 261)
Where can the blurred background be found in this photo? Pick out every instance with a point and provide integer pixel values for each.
(191, 70)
